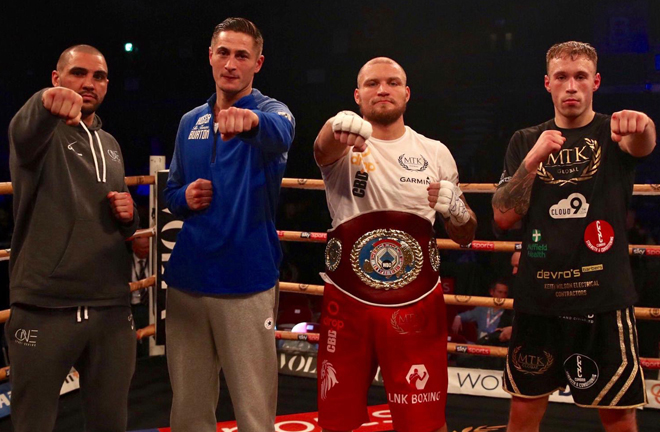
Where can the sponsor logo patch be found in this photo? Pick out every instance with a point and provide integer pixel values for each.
(408, 322)
(581, 371)
(26, 338)
(536, 249)
(413, 163)
(359, 160)
(417, 376)
(70, 147)
(599, 236)
(360, 184)
(328, 378)
(202, 129)
(571, 165)
(203, 119)
(531, 363)
(269, 323)
(575, 206)
(286, 115)
(426, 181)
(114, 155)
(592, 268)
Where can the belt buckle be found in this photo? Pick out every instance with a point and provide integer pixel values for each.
(387, 258)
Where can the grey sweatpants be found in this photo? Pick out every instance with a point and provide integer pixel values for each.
(44, 344)
(234, 333)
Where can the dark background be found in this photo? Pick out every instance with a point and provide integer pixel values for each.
(475, 69)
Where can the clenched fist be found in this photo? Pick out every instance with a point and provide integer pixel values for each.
(232, 121)
(549, 141)
(121, 204)
(444, 197)
(352, 130)
(628, 122)
(63, 102)
(199, 194)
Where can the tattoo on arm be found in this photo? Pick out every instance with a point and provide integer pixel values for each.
(516, 194)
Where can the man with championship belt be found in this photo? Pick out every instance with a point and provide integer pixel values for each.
(570, 180)
(383, 304)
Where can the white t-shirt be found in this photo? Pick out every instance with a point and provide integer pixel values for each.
(398, 174)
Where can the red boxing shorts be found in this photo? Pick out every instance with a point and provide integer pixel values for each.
(410, 345)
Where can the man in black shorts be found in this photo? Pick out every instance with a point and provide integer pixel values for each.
(570, 180)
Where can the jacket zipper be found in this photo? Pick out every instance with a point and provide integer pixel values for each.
(215, 148)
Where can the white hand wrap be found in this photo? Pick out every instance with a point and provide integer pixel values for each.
(348, 121)
(450, 205)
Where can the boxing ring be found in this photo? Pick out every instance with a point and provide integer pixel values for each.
(162, 232)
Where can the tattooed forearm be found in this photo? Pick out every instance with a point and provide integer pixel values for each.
(516, 194)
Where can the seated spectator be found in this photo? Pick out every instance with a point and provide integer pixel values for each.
(493, 327)
(487, 318)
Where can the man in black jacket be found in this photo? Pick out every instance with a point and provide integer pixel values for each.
(69, 266)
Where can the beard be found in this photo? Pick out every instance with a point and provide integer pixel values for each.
(90, 108)
(383, 117)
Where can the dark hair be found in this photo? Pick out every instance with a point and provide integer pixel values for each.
(573, 49)
(499, 281)
(240, 25)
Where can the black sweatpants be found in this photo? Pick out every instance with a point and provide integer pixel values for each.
(45, 343)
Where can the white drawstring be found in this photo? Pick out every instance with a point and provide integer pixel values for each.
(102, 153)
(85, 314)
(96, 163)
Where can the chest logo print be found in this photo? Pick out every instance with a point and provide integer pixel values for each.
(70, 147)
(575, 206)
(571, 163)
(599, 236)
(413, 163)
(114, 155)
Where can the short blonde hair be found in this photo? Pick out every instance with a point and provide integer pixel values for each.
(572, 49)
(377, 60)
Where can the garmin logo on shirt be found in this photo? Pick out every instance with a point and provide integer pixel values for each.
(426, 181)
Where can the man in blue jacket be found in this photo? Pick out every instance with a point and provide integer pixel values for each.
(222, 275)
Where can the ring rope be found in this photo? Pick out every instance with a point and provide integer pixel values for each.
(452, 348)
(444, 244)
(447, 244)
(317, 184)
(147, 232)
(642, 313)
(134, 286)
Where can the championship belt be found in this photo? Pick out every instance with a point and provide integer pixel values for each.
(383, 257)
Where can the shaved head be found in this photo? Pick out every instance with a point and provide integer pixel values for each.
(377, 60)
(65, 57)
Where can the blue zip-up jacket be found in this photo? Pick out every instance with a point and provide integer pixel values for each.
(231, 247)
